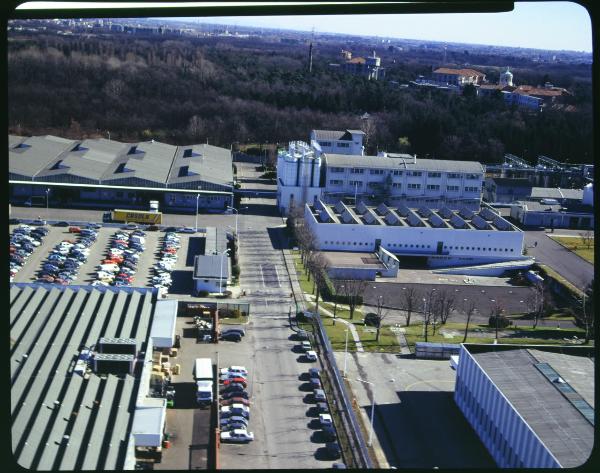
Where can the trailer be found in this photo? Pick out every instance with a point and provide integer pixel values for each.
(203, 375)
(136, 216)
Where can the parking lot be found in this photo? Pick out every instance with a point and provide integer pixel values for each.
(416, 423)
(86, 274)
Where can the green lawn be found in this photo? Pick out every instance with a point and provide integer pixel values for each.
(575, 244)
(520, 335)
(305, 284)
(553, 274)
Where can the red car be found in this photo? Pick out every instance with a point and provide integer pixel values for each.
(170, 250)
(115, 257)
(241, 381)
(110, 261)
(74, 230)
(235, 400)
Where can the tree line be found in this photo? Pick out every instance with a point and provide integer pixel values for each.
(228, 91)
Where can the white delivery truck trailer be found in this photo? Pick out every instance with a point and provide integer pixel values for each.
(203, 375)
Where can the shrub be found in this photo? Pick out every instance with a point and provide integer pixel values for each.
(203, 293)
(503, 322)
(235, 270)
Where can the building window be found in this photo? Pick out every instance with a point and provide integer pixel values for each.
(397, 173)
(415, 173)
(453, 175)
(433, 187)
(336, 169)
(376, 171)
(396, 185)
(336, 182)
(343, 145)
(452, 188)
(471, 176)
(414, 186)
(471, 189)
(372, 185)
(356, 183)
(357, 170)
(434, 174)
(325, 143)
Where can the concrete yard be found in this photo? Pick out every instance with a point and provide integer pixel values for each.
(416, 424)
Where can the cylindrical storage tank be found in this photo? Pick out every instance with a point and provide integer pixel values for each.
(588, 195)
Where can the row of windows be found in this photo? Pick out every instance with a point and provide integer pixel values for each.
(479, 248)
(397, 172)
(412, 245)
(398, 185)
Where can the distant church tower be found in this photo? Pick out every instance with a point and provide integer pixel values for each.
(506, 78)
(310, 58)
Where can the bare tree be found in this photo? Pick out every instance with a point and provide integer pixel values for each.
(539, 302)
(469, 309)
(587, 238)
(444, 306)
(382, 313)
(585, 316)
(336, 288)
(496, 312)
(428, 310)
(410, 298)
(352, 288)
(318, 265)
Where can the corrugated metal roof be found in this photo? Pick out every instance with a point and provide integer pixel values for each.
(209, 266)
(49, 325)
(207, 163)
(36, 153)
(165, 316)
(329, 134)
(564, 431)
(376, 162)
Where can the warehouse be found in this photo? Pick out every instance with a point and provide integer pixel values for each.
(101, 172)
(532, 407)
(440, 238)
(72, 408)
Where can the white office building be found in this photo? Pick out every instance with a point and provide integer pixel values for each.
(340, 142)
(442, 238)
(306, 173)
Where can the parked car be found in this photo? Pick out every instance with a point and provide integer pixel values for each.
(325, 419)
(38, 222)
(319, 395)
(235, 410)
(130, 226)
(235, 422)
(74, 229)
(333, 450)
(328, 433)
(315, 383)
(301, 335)
(235, 400)
(232, 337)
(314, 372)
(239, 330)
(62, 223)
(311, 355)
(237, 435)
(93, 225)
(306, 346)
(13, 221)
(322, 407)
(338, 466)
(234, 394)
(237, 379)
(235, 369)
(372, 319)
(233, 388)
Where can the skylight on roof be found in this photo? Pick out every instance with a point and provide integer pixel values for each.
(78, 147)
(22, 146)
(121, 168)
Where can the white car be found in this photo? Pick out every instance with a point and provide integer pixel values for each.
(311, 355)
(236, 370)
(104, 275)
(235, 407)
(306, 346)
(237, 435)
(100, 283)
(62, 251)
(325, 419)
(116, 251)
(228, 375)
(109, 268)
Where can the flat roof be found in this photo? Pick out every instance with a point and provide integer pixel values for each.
(409, 163)
(165, 317)
(567, 434)
(61, 421)
(211, 266)
(349, 259)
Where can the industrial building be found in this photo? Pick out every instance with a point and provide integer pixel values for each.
(338, 141)
(440, 238)
(554, 213)
(211, 268)
(108, 173)
(81, 361)
(368, 66)
(531, 406)
(305, 173)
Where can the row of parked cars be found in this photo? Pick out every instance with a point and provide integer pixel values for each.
(64, 261)
(234, 405)
(168, 258)
(23, 240)
(118, 269)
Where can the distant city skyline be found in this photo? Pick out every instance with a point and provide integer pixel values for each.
(530, 25)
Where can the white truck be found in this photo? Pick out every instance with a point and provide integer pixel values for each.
(203, 375)
(154, 206)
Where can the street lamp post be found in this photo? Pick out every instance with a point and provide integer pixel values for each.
(346, 352)
(196, 216)
(370, 443)
(221, 275)
(236, 217)
(47, 204)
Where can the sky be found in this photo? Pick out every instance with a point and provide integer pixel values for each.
(539, 25)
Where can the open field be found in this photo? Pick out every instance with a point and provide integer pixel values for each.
(578, 246)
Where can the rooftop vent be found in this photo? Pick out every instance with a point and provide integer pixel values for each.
(445, 212)
(466, 213)
(78, 147)
(458, 222)
(122, 168)
(424, 212)
(187, 153)
(339, 207)
(183, 171)
(382, 209)
(403, 210)
(361, 208)
(480, 223)
(392, 219)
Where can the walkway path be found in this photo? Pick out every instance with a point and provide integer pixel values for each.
(350, 325)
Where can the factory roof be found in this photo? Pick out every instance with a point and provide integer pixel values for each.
(404, 217)
(409, 163)
(336, 134)
(556, 193)
(458, 72)
(536, 382)
(96, 161)
(61, 420)
(211, 266)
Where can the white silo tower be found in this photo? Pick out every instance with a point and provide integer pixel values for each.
(506, 78)
(588, 194)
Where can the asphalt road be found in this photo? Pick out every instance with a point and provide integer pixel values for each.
(279, 412)
(564, 262)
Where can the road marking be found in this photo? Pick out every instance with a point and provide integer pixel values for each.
(277, 276)
(262, 275)
(408, 388)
